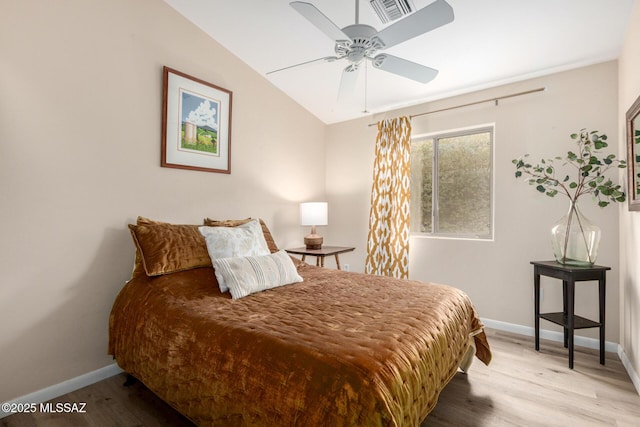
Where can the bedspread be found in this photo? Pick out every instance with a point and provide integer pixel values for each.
(337, 349)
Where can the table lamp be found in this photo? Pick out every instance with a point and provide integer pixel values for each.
(313, 214)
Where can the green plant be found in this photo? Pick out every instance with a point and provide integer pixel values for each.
(588, 165)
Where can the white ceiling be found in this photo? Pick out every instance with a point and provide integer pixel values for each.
(490, 42)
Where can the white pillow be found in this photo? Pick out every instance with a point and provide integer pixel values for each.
(227, 242)
(248, 275)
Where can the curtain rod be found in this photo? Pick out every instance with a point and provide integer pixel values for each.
(496, 99)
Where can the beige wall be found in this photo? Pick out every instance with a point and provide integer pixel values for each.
(629, 84)
(80, 110)
(496, 274)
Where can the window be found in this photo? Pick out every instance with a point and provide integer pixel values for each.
(451, 184)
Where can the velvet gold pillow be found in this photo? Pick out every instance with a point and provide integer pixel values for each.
(141, 220)
(167, 248)
(138, 265)
(248, 275)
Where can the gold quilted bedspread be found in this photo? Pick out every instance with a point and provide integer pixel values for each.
(339, 349)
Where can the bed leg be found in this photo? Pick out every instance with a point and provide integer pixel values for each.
(131, 380)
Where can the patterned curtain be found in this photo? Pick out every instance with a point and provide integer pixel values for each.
(388, 241)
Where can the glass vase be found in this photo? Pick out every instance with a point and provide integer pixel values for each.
(575, 238)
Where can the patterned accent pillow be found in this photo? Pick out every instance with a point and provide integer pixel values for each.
(239, 241)
(273, 247)
(248, 275)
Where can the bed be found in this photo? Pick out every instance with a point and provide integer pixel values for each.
(333, 348)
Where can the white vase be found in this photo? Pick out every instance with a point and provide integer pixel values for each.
(575, 238)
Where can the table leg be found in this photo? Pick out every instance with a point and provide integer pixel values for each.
(570, 323)
(601, 290)
(303, 257)
(338, 262)
(536, 304)
(564, 312)
(321, 259)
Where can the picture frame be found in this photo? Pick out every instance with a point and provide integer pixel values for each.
(633, 155)
(196, 124)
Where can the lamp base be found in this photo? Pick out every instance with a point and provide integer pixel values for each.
(313, 241)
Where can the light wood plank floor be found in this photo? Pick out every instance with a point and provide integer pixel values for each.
(521, 387)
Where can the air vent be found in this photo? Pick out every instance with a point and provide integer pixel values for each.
(390, 10)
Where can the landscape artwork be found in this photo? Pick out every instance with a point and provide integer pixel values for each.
(196, 124)
(199, 123)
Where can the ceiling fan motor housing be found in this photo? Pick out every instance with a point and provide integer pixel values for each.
(363, 43)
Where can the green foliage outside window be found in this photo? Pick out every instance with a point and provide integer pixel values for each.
(458, 202)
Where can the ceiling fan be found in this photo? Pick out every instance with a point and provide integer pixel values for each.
(358, 43)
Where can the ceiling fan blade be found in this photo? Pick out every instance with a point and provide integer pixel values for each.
(404, 68)
(318, 19)
(428, 18)
(348, 81)
(325, 59)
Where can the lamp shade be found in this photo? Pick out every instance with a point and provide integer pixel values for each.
(314, 213)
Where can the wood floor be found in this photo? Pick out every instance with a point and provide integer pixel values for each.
(521, 387)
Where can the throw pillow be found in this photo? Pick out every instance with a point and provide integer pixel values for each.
(239, 241)
(248, 275)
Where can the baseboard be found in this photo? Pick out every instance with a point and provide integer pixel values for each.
(635, 379)
(578, 340)
(64, 387)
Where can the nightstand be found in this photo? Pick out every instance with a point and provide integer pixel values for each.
(567, 318)
(320, 254)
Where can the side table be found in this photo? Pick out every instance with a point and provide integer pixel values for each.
(320, 254)
(569, 275)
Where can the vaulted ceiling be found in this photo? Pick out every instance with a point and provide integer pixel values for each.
(490, 42)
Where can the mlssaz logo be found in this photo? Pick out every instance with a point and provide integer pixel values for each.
(64, 407)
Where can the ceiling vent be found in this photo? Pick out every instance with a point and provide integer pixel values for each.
(390, 10)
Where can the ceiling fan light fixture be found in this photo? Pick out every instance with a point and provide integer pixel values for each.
(391, 10)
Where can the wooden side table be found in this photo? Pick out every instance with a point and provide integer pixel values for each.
(567, 319)
(320, 254)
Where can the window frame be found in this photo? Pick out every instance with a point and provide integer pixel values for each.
(436, 136)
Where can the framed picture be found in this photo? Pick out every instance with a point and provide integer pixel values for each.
(196, 124)
(633, 155)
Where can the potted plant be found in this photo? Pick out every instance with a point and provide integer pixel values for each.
(575, 239)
